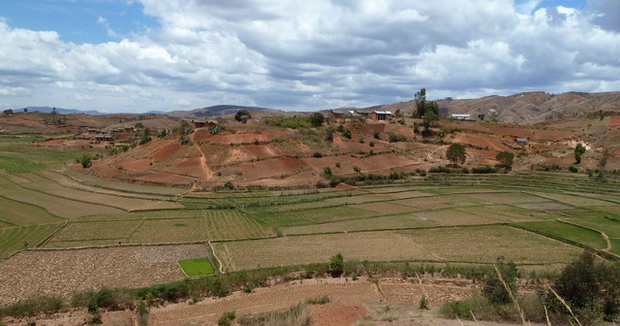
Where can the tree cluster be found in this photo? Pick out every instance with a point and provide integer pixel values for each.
(591, 289)
(428, 111)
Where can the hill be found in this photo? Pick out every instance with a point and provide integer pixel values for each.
(215, 111)
(529, 108)
(260, 153)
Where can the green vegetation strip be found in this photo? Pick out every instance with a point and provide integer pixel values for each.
(198, 266)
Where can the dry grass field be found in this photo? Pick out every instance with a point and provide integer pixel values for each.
(482, 244)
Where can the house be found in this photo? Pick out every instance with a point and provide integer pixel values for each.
(244, 118)
(199, 123)
(103, 137)
(362, 113)
(129, 128)
(380, 115)
(92, 130)
(461, 116)
(340, 116)
(520, 141)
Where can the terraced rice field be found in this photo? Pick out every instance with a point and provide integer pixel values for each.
(481, 244)
(458, 219)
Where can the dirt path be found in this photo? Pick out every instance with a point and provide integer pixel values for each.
(203, 159)
(350, 301)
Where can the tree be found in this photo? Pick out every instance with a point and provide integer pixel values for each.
(146, 136)
(579, 151)
(505, 159)
(316, 119)
(420, 103)
(86, 161)
(7, 112)
(429, 118)
(242, 113)
(456, 154)
(591, 289)
(494, 290)
(336, 265)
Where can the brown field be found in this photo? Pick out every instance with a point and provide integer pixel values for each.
(68, 271)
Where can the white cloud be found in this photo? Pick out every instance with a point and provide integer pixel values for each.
(13, 91)
(295, 54)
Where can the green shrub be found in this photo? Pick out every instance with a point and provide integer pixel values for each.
(319, 300)
(346, 133)
(317, 155)
(439, 169)
(336, 265)
(32, 307)
(219, 289)
(483, 169)
(226, 319)
(394, 138)
(494, 290)
(86, 161)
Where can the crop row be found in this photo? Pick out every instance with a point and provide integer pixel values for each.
(13, 239)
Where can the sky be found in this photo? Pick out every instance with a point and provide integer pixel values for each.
(145, 55)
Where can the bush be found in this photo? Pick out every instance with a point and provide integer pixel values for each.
(32, 307)
(439, 169)
(86, 161)
(219, 289)
(226, 319)
(336, 265)
(573, 169)
(318, 300)
(483, 169)
(346, 133)
(494, 290)
(394, 138)
(317, 155)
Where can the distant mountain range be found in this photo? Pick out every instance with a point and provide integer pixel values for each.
(48, 109)
(528, 107)
(215, 111)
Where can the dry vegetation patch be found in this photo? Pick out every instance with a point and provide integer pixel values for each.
(64, 272)
(400, 221)
(505, 198)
